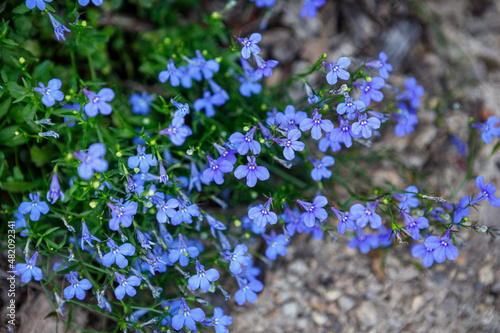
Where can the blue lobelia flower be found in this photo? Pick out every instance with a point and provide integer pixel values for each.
(248, 290)
(345, 221)
(414, 225)
(364, 126)
(207, 103)
(264, 68)
(460, 145)
(195, 178)
(363, 215)
(144, 240)
(412, 93)
(216, 170)
(276, 245)
(199, 65)
(250, 45)
(370, 90)
(442, 247)
(202, 279)
(427, 254)
(86, 2)
(329, 141)
(122, 213)
(28, 269)
(99, 102)
(237, 258)
(49, 133)
(35, 207)
(350, 107)
(166, 210)
(320, 170)
(163, 173)
(141, 103)
(488, 129)
(406, 120)
(55, 190)
(142, 160)
(383, 67)
(314, 210)
(219, 96)
(87, 237)
(21, 223)
(336, 70)
(51, 93)
(487, 193)
(214, 224)
(226, 154)
(260, 4)
(117, 254)
(182, 109)
(310, 8)
(290, 119)
(407, 199)
(172, 74)
(187, 317)
(311, 97)
(59, 29)
(364, 242)
(316, 125)
(91, 160)
(126, 286)
(76, 287)
(343, 133)
(182, 252)
(186, 212)
(219, 321)
(38, 3)
(261, 214)
(291, 144)
(249, 85)
(177, 131)
(252, 172)
(461, 210)
(245, 142)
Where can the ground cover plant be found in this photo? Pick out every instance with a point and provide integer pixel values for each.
(138, 179)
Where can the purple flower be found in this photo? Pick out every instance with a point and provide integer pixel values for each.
(252, 172)
(91, 160)
(343, 133)
(35, 207)
(214, 224)
(219, 96)
(187, 317)
(462, 210)
(487, 192)
(291, 144)
(117, 254)
(55, 190)
(320, 170)
(407, 199)
(49, 133)
(166, 210)
(412, 93)
(383, 67)
(182, 252)
(143, 161)
(59, 29)
(203, 278)
(237, 258)
(206, 103)
(205, 67)
(76, 287)
(219, 321)
(195, 178)
(314, 211)
(122, 213)
(364, 126)
(329, 141)
(248, 290)
(442, 247)
(370, 91)
(406, 121)
(86, 2)
(171, 74)
(337, 70)
(38, 3)
(311, 97)
(245, 142)
(226, 154)
(185, 213)
(488, 129)
(177, 131)
(216, 170)
(414, 225)
(28, 269)
(427, 254)
(98, 102)
(350, 107)
(21, 223)
(290, 119)
(364, 242)
(261, 214)
(182, 109)
(363, 215)
(140, 103)
(87, 237)
(51, 93)
(460, 145)
(250, 45)
(126, 286)
(163, 173)
(260, 4)
(276, 245)
(144, 240)
(345, 221)
(264, 68)
(316, 124)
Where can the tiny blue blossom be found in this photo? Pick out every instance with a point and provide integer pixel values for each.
(126, 286)
(91, 160)
(276, 245)
(364, 242)
(219, 321)
(98, 103)
(250, 45)
(314, 211)
(142, 160)
(29, 270)
(59, 29)
(55, 190)
(316, 125)
(363, 215)
(141, 103)
(177, 131)
(38, 3)
(187, 317)
(345, 221)
(117, 254)
(87, 237)
(237, 258)
(442, 247)
(310, 8)
(171, 74)
(182, 252)
(320, 170)
(412, 93)
(76, 287)
(248, 290)
(51, 93)
(207, 103)
(383, 67)
(261, 214)
(336, 70)
(203, 279)
(487, 193)
(488, 129)
(252, 172)
(427, 254)
(245, 142)
(35, 207)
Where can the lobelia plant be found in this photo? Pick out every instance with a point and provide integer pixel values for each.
(151, 207)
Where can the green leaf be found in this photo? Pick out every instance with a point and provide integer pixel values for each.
(9, 138)
(16, 187)
(4, 107)
(16, 90)
(21, 9)
(51, 230)
(40, 156)
(18, 175)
